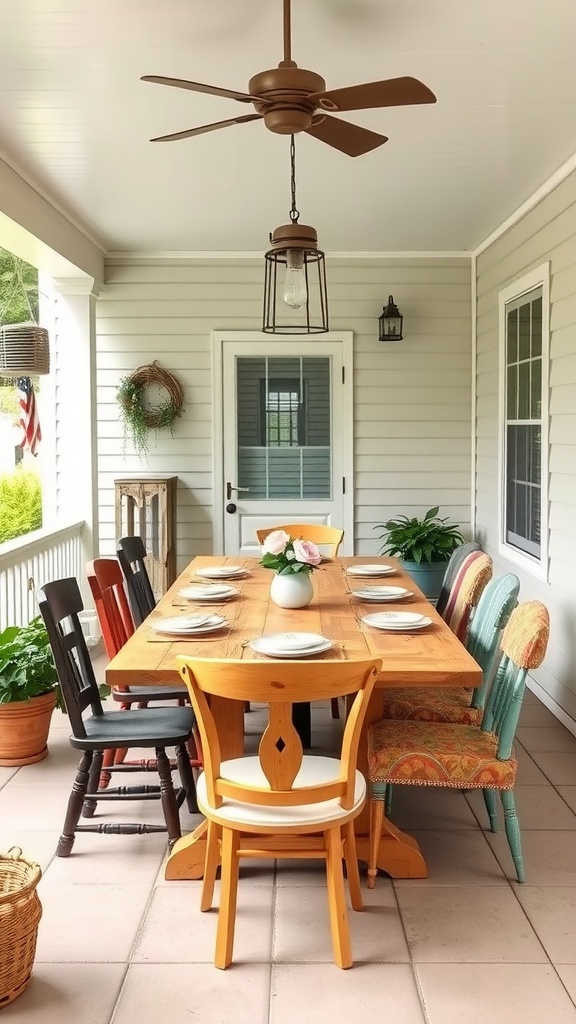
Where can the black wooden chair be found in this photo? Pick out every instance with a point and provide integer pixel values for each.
(154, 728)
(131, 555)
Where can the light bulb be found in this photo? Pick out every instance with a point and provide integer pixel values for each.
(295, 290)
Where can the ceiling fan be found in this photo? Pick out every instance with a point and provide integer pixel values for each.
(291, 100)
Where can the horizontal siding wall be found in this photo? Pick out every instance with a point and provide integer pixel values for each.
(411, 400)
(546, 233)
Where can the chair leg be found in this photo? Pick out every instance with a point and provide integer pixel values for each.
(352, 872)
(513, 832)
(187, 778)
(376, 820)
(337, 899)
(388, 801)
(89, 808)
(211, 865)
(334, 707)
(75, 801)
(168, 797)
(228, 897)
(491, 807)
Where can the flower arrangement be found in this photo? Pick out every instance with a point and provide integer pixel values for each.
(288, 556)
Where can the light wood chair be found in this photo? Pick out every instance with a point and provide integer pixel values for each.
(330, 536)
(280, 802)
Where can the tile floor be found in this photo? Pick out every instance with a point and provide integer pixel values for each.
(117, 943)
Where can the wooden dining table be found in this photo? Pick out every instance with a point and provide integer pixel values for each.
(429, 657)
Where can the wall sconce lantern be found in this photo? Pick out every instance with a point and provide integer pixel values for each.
(295, 295)
(390, 322)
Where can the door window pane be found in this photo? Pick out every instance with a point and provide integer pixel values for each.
(284, 427)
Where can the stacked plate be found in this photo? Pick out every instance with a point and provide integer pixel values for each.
(397, 621)
(208, 592)
(370, 570)
(291, 645)
(188, 625)
(382, 593)
(222, 572)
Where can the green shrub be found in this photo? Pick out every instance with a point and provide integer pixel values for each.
(20, 503)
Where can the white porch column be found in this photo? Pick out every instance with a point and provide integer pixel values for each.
(75, 393)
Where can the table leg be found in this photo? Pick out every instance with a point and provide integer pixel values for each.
(399, 853)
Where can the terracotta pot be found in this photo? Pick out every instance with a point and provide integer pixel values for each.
(24, 729)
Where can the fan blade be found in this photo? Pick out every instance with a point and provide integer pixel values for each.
(213, 90)
(206, 128)
(348, 138)
(394, 92)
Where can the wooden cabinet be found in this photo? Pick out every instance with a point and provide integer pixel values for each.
(146, 506)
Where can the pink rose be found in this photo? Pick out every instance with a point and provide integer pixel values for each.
(275, 542)
(307, 552)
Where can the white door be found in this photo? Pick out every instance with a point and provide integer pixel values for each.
(283, 435)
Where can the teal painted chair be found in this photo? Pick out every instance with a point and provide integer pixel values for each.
(464, 756)
(462, 705)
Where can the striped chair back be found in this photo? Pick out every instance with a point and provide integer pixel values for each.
(456, 559)
(473, 575)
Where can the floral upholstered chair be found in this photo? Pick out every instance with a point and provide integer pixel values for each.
(464, 756)
(463, 705)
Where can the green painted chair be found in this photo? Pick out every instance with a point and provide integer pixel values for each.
(463, 705)
(464, 756)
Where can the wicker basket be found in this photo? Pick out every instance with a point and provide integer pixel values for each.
(20, 912)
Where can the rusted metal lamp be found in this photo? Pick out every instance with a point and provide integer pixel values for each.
(390, 322)
(295, 293)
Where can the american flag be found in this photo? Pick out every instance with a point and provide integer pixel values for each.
(29, 416)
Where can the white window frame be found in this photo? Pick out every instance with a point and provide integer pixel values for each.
(537, 278)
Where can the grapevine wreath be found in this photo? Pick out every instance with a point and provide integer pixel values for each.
(140, 417)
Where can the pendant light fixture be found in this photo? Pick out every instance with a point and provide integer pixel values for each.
(295, 295)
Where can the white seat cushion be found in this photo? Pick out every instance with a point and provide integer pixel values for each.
(313, 771)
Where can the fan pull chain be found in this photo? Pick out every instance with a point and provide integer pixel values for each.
(294, 213)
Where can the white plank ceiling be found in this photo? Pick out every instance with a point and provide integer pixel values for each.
(75, 119)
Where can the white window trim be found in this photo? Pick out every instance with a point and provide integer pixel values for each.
(539, 277)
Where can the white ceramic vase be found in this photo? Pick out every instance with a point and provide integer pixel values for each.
(293, 590)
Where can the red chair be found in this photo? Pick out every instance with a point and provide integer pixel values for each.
(106, 582)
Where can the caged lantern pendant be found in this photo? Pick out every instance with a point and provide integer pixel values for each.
(295, 295)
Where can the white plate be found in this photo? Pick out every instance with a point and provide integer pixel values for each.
(189, 625)
(275, 645)
(370, 570)
(208, 592)
(382, 593)
(397, 620)
(222, 572)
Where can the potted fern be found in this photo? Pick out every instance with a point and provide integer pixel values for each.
(423, 546)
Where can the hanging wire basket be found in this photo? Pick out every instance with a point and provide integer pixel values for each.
(24, 350)
(20, 913)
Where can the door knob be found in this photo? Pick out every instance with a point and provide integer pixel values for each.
(230, 507)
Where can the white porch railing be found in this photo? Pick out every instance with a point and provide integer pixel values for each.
(30, 561)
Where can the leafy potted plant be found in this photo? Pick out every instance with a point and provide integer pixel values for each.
(423, 547)
(29, 691)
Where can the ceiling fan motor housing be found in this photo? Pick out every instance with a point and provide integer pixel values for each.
(284, 91)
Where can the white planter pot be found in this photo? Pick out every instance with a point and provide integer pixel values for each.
(292, 591)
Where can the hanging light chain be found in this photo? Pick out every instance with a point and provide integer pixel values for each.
(294, 212)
